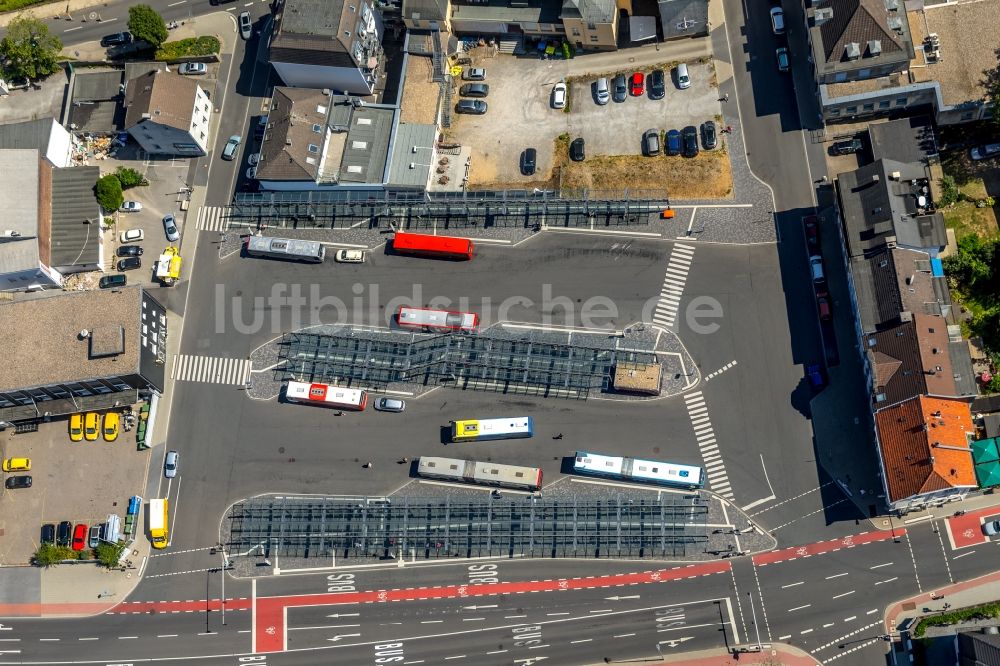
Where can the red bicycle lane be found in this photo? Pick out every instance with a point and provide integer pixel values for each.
(821, 547)
(967, 529)
(269, 631)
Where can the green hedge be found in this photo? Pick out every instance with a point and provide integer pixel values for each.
(186, 48)
(986, 611)
(11, 5)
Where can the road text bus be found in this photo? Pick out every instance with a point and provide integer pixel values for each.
(433, 247)
(634, 469)
(475, 430)
(326, 395)
(285, 248)
(437, 320)
(483, 473)
(158, 522)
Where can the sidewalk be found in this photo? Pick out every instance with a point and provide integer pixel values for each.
(778, 655)
(960, 595)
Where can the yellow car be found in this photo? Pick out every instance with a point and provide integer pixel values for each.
(17, 465)
(76, 427)
(92, 426)
(111, 420)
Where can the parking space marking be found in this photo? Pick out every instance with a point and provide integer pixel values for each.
(715, 469)
(210, 369)
(673, 285)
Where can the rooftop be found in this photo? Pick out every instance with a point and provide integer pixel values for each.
(321, 18)
(860, 33)
(29, 134)
(75, 240)
(95, 105)
(594, 11)
(45, 337)
(502, 11)
(296, 133)
(164, 97)
(326, 32)
(419, 103)
(20, 191)
(904, 140)
(409, 136)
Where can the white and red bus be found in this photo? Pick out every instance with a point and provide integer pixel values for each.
(326, 395)
(437, 320)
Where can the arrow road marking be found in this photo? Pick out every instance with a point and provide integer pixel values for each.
(478, 607)
(634, 596)
(329, 626)
(676, 641)
(344, 615)
(339, 636)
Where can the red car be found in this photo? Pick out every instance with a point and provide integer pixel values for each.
(638, 84)
(811, 224)
(823, 302)
(80, 537)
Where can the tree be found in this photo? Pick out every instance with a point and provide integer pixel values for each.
(145, 24)
(29, 49)
(49, 554)
(108, 191)
(108, 554)
(129, 177)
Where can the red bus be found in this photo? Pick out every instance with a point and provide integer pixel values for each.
(433, 247)
(437, 320)
(326, 395)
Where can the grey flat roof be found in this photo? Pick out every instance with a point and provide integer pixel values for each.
(106, 116)
(313, 17)
(903, 140)
(367, 145)
(408, 136)
(74, 240)
(29, 134)
(91, 86)
(683, 18)
(19, 192)
(43, 336)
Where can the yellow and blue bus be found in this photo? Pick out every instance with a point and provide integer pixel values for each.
(475, 430)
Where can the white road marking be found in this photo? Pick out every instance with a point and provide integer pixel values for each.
(843, 595)
(884, 564)
(799, 608)
(836, 575)
(801, 582)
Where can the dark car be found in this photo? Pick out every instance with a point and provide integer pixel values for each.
(117, 39)
(112, 281)
(657, 84)
(130, 264)
(13, 482)
(578, 150)
(709, 137)
(474, 106)
(528, 161)
(64, 533)
(846, 147)
(816, 377)
(690, 136)
(48, 533)
(129, 251)
(823, 304)
(619, 91)
(474, 90)
(811, 225)
(651, 142)
(674, 143)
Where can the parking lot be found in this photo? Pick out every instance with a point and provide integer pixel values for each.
(520, 115)
(81, 482)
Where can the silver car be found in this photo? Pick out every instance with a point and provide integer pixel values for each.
(170, 464)
(170, 228)
(601, 91)
(991, 528)
(246, 25)
(193, 68)
(390, 405)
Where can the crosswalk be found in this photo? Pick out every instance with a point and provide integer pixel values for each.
(715, 469)
(673, 285)
(210, 369)
(211, 218)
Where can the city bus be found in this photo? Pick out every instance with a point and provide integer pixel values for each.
(477, 430)
(158, 522)
(437, 320)
(284, 248)
(432, 247)
(634, 469)
(326, 395)
(482, 473)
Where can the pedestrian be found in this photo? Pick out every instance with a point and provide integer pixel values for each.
(369, 465)
(339, 414)
(404, 460)
(724, 98)
(559, 436)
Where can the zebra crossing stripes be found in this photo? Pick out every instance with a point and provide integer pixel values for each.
(715, 469)
(211, 218)
(673, 285)
(210, 369)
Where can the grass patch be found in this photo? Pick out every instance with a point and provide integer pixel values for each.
(188, 48)
(965, 218)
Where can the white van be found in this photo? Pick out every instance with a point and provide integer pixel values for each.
(683, 79)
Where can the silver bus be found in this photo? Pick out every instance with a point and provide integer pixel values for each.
(285, 248)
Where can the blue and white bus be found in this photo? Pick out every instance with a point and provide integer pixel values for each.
(635, 469)
(475, 430)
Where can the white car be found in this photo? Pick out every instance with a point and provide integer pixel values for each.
(778, 20)
(253, 159)
(246, 25)
(985, 152)
(349, 256)
(193, 68)
(559, 96)
(991, 527)
(131, 207)
(170, 464)
(816, 268)
(131, 236)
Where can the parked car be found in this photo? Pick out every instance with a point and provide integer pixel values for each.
(129, 264)
(80, 537)
(349, 256)
(91, 426)
(131, 207)
(94, 538)
(390, 405)
(690, 137)
(15, 482)
(578, 150)
(601, 91)
(657, 84)
(170, 464)
(816, 377)
(472, 106)
(112, 281)
(985, 152)
(76, 427)
(811, 225)
(619, 91)
(816, 268)
(260, 128)
(778, 20)
(637, 84)
(193, 68)
(116, 39)
(529, 159)
(129, 251)
(254, 159)
(474, 90)
(823, 305)
(229, 151)
(559, 96)
(651, 142)
(683, 78)
(48, 533)
(846, 147)
(131, 236)
(170, 228)
(252, 173)
(17, 465)
(111, 423)
(64, 533)
(674, 143)
(781, 53)
(709, 137)
(246, 25)
(991, 527)
(473, 74)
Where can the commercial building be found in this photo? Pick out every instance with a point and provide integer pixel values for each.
(168, 114)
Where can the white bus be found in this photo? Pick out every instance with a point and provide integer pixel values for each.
(326, 395)
(474, 430)
(285, 248)
(635, 469)
(437, 320)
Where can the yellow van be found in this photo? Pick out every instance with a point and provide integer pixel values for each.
(17, 465)
(92, 426)
(76, 427)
